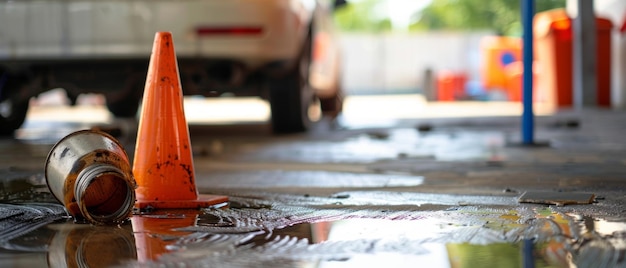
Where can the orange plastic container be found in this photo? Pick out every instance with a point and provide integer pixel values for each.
(450, 85)
(553, 53)
(496, 53)
(514, 73)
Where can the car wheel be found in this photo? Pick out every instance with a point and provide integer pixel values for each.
(73, 98)
(12, 115)
(291, 95)
(13, 109)
(332, 106)
(126, 107)
(125, 103)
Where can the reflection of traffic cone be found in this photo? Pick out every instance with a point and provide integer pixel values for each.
(154, 233)
(163, 164)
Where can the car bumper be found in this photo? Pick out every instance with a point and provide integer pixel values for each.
(125, 29)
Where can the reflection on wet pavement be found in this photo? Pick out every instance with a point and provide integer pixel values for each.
(343, 229)
(391, 144)
(90, 246)
(154, 232)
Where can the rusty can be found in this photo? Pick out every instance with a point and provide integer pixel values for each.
(88, 171)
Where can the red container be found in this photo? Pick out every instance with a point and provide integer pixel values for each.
(451, 85)
(553, 53)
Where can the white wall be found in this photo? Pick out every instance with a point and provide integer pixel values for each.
(386, 63)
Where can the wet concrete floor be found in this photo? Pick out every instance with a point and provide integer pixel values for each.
(409, 192)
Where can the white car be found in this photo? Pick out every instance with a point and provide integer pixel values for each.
(282, 50)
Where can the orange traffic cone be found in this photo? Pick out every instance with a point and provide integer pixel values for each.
(163, 164)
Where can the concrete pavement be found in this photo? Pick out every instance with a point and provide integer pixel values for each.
(400, 189)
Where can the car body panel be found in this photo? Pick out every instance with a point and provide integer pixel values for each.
(116, 28)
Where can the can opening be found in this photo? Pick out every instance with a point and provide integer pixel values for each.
(104, 194)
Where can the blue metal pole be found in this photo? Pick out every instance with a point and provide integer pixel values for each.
(528, 256)
(528, 124)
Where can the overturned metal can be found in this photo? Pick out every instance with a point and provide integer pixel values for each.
(89, 172)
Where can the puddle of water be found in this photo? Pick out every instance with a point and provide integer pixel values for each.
(90, 246)
(464, 236)
(351, 228)
(328, 240)
(353, 243)
(604, 227)
(23, 185)
(494, 255)
(66, 244)
(597, 226)
(569, 239)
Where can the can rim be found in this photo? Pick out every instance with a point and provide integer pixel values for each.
(75, 133)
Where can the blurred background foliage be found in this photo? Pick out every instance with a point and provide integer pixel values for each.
(499, 16)
(362, 16)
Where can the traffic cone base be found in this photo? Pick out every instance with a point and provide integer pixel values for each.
(203, 201)
(163, 164)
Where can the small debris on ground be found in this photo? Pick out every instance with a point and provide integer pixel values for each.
(424, 128)
(556, 198)
(509, 190)
(378, 135)
(340, 196)
(567, 123)
(495, 163)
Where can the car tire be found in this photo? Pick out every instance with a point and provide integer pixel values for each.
(12, 115)
(124, 108)
(73, 98)
(332, 106)
(291, 95)
(125, 103)
(13, 109)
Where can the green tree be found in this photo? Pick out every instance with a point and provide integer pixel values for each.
(361, 17)
(501, 16)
